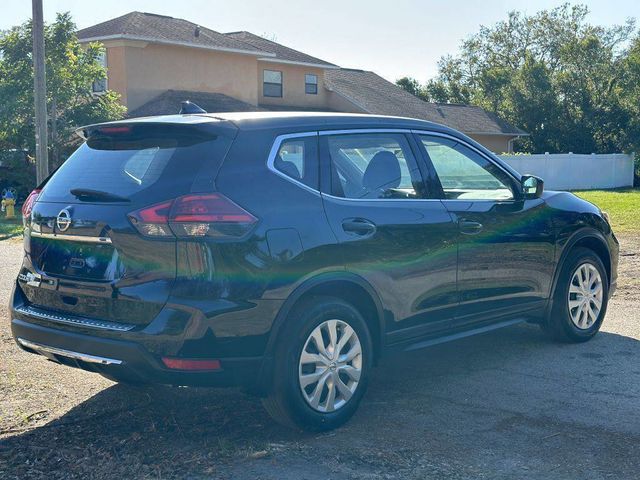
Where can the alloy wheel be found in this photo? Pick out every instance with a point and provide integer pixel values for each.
(585, 296)
(330, 366)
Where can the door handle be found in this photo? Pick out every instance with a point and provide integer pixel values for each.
(359, 226)
(469, 227)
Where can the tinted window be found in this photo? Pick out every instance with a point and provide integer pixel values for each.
(373, 166)
(128, 163)
(297, 159)
(272, 83)
(464, 173)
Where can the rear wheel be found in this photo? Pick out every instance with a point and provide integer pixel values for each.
(322, 366)
(581, 297)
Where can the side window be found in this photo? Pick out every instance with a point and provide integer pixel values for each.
(464, 173)
(372, 166)
(297, 158)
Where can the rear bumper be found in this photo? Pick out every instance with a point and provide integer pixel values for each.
(125, 361)
(132, 353)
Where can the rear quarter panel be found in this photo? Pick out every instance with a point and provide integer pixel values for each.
(238, 294)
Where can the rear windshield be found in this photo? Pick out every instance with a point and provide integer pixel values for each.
(129, 162)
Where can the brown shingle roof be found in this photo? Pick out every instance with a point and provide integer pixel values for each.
(368, 91)
(169, 102)
(374, 94)
(280, 51)
(163, 29)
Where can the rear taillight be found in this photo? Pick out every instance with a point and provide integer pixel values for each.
(211, 214)
(27, 206)
(196, 215)
(153, 221)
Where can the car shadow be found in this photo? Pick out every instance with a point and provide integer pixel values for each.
(508, 400)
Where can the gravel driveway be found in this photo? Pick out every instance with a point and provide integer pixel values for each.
(507, 404)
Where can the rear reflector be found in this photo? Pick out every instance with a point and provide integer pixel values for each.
(27, 206)
(195, 215)
(191, 363)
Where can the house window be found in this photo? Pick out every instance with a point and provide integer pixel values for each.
(100, 86)
(311, 84)
(272, 83)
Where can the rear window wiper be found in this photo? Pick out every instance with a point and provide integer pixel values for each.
(98, 195)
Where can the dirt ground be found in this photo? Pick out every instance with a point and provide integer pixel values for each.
(507, 404)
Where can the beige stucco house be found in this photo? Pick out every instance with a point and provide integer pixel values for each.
(154, 62)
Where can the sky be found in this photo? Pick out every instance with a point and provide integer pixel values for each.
(394, 38)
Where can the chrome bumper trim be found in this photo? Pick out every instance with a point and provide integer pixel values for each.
(71, 238)
(77, 321)
(46, 350)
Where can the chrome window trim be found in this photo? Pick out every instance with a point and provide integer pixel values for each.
(280, 138)
(47, 350)
(274, 152)
(356, 131)
(333, 197)
(74, 238)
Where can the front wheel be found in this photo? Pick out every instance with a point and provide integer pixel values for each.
(581, 297)
(322, 365)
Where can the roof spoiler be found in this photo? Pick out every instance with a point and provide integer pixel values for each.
(191, 108)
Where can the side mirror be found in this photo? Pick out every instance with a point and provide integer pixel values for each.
(532, 186)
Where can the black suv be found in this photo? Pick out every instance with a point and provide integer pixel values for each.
(287, 252)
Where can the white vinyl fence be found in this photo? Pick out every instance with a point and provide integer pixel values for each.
(570, 171)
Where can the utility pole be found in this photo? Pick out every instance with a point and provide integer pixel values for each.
(40, 92)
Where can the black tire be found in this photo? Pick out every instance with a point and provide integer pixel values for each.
(559, 324)
(285, 401)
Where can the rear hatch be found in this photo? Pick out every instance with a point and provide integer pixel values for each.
(86, 253)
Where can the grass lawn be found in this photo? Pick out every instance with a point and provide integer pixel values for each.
(622, 205)
(10, 228)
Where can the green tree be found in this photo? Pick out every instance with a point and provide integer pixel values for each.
(411, 85)
(568, 83)
(71, 70)
(535, 106)
(630, 98)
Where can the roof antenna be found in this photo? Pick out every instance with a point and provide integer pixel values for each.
(190, 108)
